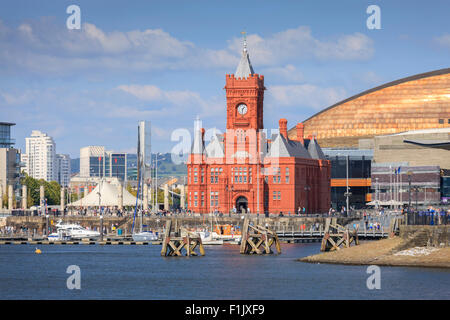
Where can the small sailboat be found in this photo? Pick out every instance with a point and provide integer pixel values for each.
(209, 237)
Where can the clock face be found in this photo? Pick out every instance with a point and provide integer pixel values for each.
(242, 109)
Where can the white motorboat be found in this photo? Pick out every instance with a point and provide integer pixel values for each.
(72, 231)
(209, 238)
(145, 236)
(60, 235)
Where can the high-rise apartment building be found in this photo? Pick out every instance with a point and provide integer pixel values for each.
(41, 156)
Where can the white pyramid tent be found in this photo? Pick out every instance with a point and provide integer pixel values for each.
(109, 197)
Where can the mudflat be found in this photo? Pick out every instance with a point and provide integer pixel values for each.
(385, 252)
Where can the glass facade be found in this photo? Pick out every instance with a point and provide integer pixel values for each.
(359, 170)
(445, 187)
(358, 167)
(5, 135)
(96, 166)
(118, 165)
(109, 165)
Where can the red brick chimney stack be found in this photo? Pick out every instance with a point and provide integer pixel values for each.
(300, 132)
(283, 127)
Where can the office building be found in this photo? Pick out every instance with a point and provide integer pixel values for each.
(63, 169)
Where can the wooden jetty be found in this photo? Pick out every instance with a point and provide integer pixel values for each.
(336, 235)
(255, 237)
(180, 242)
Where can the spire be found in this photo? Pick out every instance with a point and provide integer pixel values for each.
(244, 68)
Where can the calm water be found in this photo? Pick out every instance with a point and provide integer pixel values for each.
(139, 272)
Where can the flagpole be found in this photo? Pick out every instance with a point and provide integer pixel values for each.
(390, 183)
(400, 192)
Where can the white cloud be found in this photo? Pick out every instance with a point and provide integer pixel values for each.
(143, 92)
(186, 101)
(288, 73)
(42, 46)
(370, 78)
(305, 95)
(299, 43)
(443, 40)
(14, 99)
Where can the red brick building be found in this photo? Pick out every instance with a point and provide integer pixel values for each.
(248, 169)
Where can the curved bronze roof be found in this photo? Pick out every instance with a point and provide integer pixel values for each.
(417, 102)
(389, 84)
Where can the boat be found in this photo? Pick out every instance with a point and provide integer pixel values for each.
(209, 238)
(227, 233)
(145, 235)
(71, 231)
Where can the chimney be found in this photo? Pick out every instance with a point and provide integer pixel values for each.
(283, 127)
(300, 132)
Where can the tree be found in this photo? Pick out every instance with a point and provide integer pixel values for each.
(131, 190)
(52, 190)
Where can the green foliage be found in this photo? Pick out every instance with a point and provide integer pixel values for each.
(52, 191)
(73, 197)
(5, 200)
(131, 190)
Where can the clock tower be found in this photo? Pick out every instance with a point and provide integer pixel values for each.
(245, 95)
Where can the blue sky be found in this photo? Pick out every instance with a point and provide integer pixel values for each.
(165, 61)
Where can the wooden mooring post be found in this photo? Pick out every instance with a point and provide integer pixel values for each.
(180, 242)
(336, 235)
(254, 237)
(394, 226)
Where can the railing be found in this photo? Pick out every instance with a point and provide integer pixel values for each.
(428, 218)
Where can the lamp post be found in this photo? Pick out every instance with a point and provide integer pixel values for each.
(101, 214)
(307, 188)
(156, 187)
(377, 195)
(101, 227)
(347, 193)
(46, 225)
(416, 189)
(409, 173)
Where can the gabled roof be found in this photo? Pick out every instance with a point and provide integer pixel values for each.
(215, 148)
(281, 147)
(315, 151)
